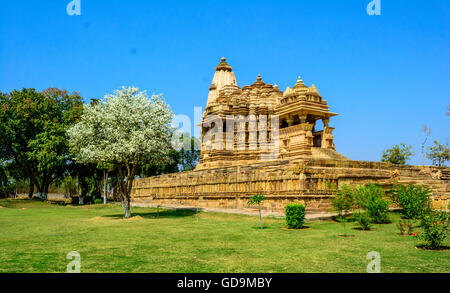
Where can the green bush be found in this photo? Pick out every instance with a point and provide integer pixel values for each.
(295, 215)
(343, 202)
(414, 200)
(370, 198)
(436, 228)
(364, 220)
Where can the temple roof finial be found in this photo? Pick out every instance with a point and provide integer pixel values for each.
(223, 65)
(299, 83)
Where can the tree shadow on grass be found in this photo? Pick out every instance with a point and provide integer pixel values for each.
(263, 228)
(155, 214)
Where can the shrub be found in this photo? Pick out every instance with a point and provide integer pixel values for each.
(405, 227)
(364, 220)
(295, 215)
(343, 202)
(414, 200)
(436, 228)
(370, 198)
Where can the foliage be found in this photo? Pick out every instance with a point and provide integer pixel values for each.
(370, 197)
(295, 215)
(343, 203)
(398, 154)
(70, 186)
(257, 200)
(33, 133)
(439, 153)
(405, 227)
(190, 155)
(415, 200)
(126, 129)
(6, 187)
(159, 168)
(344, 200)
(436, 228)
(364, 220)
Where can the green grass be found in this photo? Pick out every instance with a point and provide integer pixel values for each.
(36, 237)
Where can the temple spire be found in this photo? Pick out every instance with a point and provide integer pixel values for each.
(223, 76)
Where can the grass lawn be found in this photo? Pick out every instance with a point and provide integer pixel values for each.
(36, 237)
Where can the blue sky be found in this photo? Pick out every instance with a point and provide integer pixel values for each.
(385, 75)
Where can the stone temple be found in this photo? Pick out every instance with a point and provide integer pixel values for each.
(257, 139)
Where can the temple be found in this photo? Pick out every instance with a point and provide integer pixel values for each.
(257, 139)
(243, 125)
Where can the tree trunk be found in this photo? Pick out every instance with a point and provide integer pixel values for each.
(126, 206)
(422, 154)
(105, 185)
(31, 188)
(83, 186)
(260, 217)
(42, 189)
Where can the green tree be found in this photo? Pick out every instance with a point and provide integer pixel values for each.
(189, 156)
(6, 188)
(343, 203)
(126, 129)
(439, 153)
(398, 154)
(19, 116)
(33, 134)
(258, 201)
(49, 147)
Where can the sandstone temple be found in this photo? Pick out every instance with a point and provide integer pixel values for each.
(257, 139)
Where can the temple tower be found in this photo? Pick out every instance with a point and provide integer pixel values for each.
(259, 122)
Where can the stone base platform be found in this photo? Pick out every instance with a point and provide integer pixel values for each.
(311, 182)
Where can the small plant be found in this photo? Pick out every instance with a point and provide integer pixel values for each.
(295, 215)
(343, 203)
(364, 220)
(401, 227)
(405, 227)
(257, 200)
(436, 228)
(414, 200)
(370, 198)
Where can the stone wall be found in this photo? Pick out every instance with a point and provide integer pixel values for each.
(307, 181)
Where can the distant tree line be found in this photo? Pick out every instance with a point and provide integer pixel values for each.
(439, 153)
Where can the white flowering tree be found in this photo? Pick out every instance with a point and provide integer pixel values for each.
(126, 130)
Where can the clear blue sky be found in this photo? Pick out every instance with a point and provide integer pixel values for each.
(385, 75)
